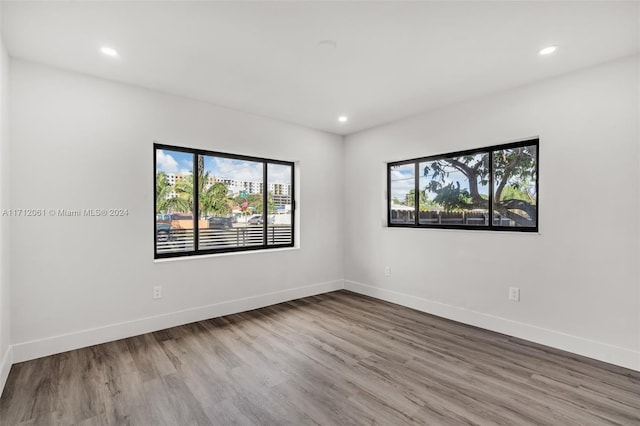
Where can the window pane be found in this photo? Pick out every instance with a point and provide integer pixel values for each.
(455, 191)
(279, 204)
(174, 201)
(515, 186)
(230, 200)
(402, 200)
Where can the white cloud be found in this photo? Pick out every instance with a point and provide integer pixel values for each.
(402, 181)
(248, 171)
(165, 162)
(237, 169)
(279, 173)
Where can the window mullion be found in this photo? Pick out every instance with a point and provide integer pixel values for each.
(511, 173)
(265, 205)
(210, 187)
(389, 196)
(416, 190)
(491, 189)
(196, 200)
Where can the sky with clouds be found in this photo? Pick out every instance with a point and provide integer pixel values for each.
(173, 161)
(453, 176)
(402, 180)
(224, 168)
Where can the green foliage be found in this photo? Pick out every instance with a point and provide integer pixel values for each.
(451, 195)
(163, 189)
(255, 203)
(425, 203)
(512, 192)
(213, 199)
(514, 173)
(183, 201)
(452, 198)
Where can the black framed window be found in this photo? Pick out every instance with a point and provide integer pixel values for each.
(459, 190)
(210, 202)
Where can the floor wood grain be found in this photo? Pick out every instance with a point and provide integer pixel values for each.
(334, 359)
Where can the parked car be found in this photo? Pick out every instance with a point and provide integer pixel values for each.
(160, 216)
(218, 222)
(181, 216)
(255, 220)
(163, 232)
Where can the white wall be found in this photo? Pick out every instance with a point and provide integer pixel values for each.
(81, 142)
(579, 276)
(5, 221)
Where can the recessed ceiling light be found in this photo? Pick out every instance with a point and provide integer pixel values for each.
(109, 51)
(547, 50)
(327, 45)
(343, 119)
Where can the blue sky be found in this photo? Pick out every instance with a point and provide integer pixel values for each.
(179, 162)
(227, 168)
(173, 161)
(454, 176)
(402, 180)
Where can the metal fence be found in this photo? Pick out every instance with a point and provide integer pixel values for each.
(210, 239)
(450, 218)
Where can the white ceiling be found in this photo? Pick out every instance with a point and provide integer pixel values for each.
(393, 59)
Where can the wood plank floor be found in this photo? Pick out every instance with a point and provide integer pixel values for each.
(333, 359)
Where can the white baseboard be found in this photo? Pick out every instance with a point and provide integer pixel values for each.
(601, 351)
(56, 344)
(5, 367)
(48, 346)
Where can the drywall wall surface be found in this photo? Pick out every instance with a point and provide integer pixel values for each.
(579, 276)
(87, 143)
(5, 219)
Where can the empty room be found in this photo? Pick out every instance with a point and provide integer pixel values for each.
(319, 213)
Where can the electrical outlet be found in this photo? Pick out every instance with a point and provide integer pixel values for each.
(514, 294)
(157, 292)
(387, 271)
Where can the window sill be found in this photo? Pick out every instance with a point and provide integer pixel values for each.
(235, 253)
(468, 230)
